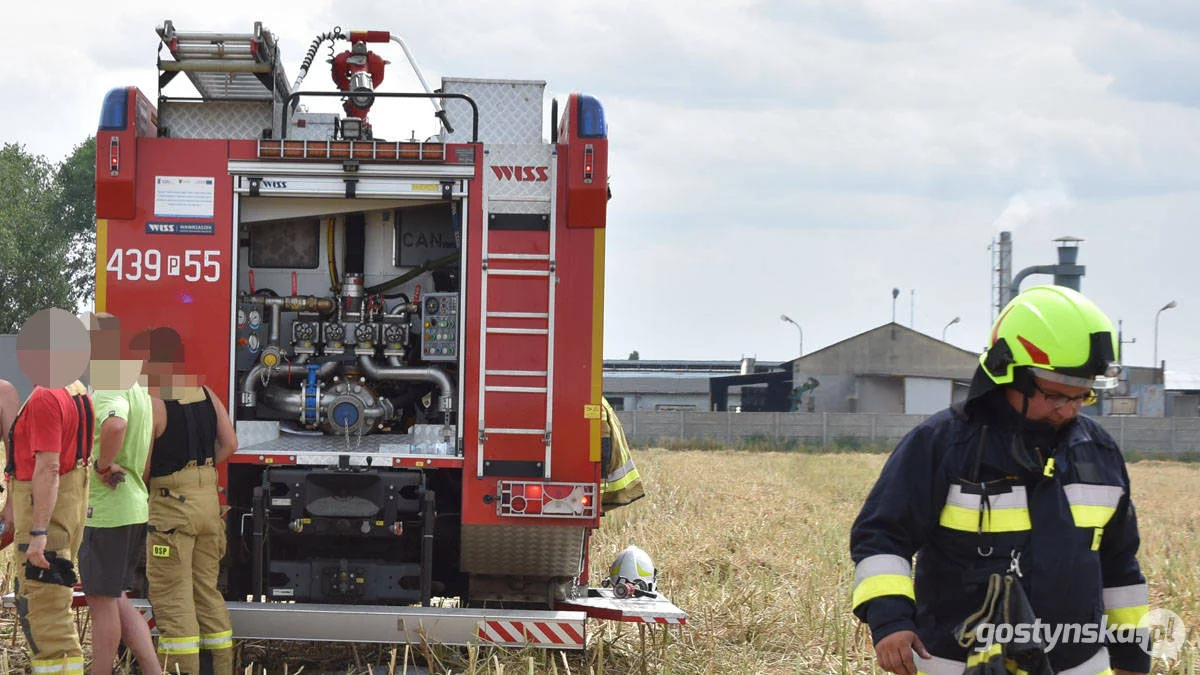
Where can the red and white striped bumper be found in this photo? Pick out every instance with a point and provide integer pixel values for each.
(556, 634)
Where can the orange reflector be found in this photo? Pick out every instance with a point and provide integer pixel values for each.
(533, 491)
(363, 150)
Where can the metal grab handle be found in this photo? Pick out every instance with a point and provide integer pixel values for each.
(295, 96)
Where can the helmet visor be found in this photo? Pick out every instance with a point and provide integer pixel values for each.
(1105, 382)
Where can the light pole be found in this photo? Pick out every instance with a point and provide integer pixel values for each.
(1121, 341)
(788, 319)
(1170, 305)
(952, 322)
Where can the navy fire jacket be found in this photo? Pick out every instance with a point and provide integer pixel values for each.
(975, 487)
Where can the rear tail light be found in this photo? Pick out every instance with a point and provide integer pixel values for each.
(114, 156)
(589, 162)
(546, 500)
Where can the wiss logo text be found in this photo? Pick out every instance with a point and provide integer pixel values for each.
(522, 173)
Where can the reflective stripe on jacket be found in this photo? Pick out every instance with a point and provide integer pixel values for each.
(622, 483)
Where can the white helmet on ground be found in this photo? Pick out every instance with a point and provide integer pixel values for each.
(632, 566)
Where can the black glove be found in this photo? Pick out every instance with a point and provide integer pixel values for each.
(61, 572)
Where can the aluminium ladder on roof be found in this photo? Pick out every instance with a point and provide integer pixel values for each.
(225, 66)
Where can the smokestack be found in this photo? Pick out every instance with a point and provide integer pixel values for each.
(1068, 272)
(1003, 271)
(748, 362)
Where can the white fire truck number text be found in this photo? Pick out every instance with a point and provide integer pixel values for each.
(132, 264)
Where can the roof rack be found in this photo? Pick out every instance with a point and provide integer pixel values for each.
(225, 66)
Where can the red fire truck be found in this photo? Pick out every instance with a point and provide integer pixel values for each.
(408, 333)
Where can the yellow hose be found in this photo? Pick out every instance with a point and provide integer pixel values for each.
(333, 275)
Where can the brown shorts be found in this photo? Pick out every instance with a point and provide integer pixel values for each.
(109, 558)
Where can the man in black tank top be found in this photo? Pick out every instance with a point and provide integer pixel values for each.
(186, 533)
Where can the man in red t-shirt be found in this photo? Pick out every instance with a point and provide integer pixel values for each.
(50, 445)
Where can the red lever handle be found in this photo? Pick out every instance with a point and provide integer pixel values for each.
(370, 36)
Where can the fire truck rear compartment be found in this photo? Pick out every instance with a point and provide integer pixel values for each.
(331, 362)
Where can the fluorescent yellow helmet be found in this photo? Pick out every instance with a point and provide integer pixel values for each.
(1058, 331)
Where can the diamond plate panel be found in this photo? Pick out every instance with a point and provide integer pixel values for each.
(522, 550)
(514, 178)
(215, 119)
(317, 126)
(510, 111)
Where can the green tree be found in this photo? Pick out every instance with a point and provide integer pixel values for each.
(47, 233)
(75, 207)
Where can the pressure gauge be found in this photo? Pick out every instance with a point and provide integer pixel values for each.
(431, 305)
(255, 318)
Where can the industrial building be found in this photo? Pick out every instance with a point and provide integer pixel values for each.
(888, 369)
(673, 385)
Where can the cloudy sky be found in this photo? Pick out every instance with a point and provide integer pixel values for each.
(782, 157)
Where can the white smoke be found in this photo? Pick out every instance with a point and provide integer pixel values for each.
(1030, 205)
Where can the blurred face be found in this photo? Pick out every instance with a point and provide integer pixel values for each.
(1052, 402)
(107, 370)
(53, 348)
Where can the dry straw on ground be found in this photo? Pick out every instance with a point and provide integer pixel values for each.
(754, 546)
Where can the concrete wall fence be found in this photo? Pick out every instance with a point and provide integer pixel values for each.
(1142, 436)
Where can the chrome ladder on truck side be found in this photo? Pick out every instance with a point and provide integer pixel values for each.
(511, 203)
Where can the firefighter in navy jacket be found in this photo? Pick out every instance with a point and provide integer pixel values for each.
(1011, 481)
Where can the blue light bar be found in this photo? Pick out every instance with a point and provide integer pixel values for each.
(115, 111)
(591, 118)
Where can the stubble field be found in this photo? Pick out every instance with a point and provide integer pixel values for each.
(753, 545)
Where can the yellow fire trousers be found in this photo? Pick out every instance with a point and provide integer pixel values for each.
(45, 609)
(184, 545)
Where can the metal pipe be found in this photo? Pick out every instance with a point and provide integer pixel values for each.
(295, 96)
(276, 319)
(437, 107)
(292, 401)
(292, 303)
(377, 372)
(1015, 286)
(167, 33)
(231, 50)
(214, 66)
(296, 303)
(250, 387)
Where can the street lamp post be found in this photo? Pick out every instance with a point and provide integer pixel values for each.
(952, 322)
(788, 319)
(1170, 305)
